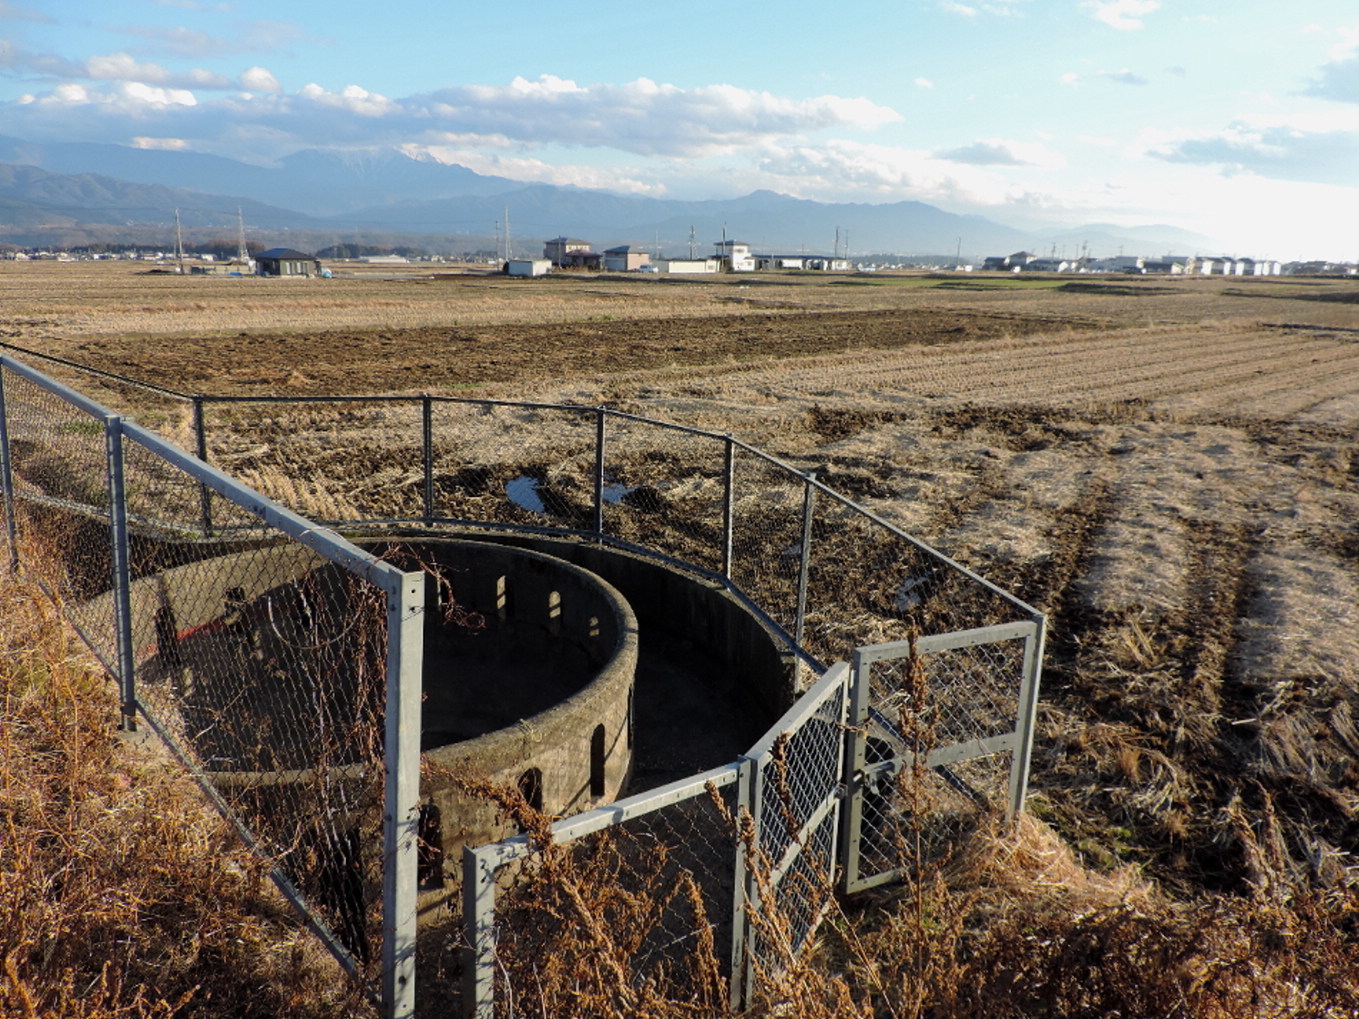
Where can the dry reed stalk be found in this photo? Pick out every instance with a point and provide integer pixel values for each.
(121, 894)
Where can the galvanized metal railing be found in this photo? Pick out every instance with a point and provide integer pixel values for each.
(935, 708)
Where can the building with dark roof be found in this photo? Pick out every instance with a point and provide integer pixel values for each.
(286, 262)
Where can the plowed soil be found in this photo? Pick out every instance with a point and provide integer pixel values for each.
(1166, 468)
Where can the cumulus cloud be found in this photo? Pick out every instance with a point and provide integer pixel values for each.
(1124, 15)
(1278, 152)
(119, 67)
(924, 83)
(640, 116)
(255, 119)
(258, 79)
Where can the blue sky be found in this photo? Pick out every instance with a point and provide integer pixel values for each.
(1236, 120)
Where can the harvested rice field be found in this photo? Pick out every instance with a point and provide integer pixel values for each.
(1164, 466)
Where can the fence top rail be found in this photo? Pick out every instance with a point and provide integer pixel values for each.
(935, 643)
(806, 477)
(66, 393)
(577, 826)
(321, 540)
(412, 398)
(136, 383)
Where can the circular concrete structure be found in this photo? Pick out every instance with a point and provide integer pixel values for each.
(528, 683)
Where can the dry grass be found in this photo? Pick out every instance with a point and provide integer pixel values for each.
(46, 301)
(1172, 482)
(121, 895)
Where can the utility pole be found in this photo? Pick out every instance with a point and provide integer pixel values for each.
(179, 245)
(242, 252)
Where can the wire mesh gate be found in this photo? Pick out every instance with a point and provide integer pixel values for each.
(735, 865)
(940, 733)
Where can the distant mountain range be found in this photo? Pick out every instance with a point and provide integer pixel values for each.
(56, 193)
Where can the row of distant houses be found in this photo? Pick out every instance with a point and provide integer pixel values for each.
(1174, 265)
(566, 253)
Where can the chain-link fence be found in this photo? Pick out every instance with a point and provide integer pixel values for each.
(264, 650)
(279, 666)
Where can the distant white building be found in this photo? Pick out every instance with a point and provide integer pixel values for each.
(735, 256)
(528, 267)
(688, 266)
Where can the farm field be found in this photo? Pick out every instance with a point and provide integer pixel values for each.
(1166, 467)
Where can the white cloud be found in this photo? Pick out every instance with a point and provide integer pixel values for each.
(351, 99)
(139, 94)
(1124, 15)
(996, 8)
(1069, 79)
(161, 144)
(639, 116)
(258, 79)
(628, 181)
(924, 83)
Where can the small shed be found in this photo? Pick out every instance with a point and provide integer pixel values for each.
(286, 262)
(528, 267)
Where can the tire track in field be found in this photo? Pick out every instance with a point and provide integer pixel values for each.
(1173, 370)
(1269, 369)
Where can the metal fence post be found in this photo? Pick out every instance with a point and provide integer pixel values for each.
(804, 567)
(746, 895)
(728, 489)
(602, 413)
(856, 757)
(7, 470)
(427, 427)
(201, 448)
(478, 916)
(401, 810)
(1024, 723)
(121, 572)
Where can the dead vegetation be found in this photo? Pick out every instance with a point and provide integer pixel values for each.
(1169, 476)
(121, 894)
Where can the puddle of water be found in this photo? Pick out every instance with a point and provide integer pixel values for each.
(523, 492)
